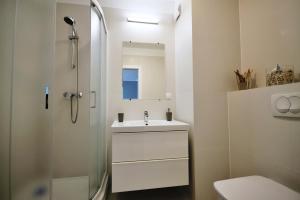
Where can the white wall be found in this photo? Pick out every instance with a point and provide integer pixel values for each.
(216, 53)
(119, 31)
(207, 50)
(144, 6)
(184, 63)
(269, 35)
(260, 143)
(184, 76)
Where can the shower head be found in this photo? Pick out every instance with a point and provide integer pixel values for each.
(69, 20)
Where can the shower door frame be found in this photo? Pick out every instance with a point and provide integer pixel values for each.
(102, 186)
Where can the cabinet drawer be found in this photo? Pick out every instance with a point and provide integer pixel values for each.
(149, 146)
(131, 176)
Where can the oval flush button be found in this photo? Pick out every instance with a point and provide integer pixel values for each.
(283, 105)
(295, 104)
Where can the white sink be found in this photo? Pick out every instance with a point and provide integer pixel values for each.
(153, 125)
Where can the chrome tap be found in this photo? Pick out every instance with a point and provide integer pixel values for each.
(146, 117)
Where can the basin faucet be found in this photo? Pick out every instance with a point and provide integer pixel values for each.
(146, 117)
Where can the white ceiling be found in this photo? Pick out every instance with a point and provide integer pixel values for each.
(148, 6)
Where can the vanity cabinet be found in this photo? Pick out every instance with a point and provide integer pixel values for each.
(149, 157)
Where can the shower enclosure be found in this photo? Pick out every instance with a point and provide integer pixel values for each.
(44, 155)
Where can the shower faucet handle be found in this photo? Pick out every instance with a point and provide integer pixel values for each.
(80, 94)
(68, 95)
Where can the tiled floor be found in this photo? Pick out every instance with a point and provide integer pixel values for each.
(176, 193)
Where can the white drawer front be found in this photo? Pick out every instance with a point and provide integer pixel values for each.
(149, 146)
(131, 176)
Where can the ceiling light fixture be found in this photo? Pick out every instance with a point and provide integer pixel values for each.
(143, 20)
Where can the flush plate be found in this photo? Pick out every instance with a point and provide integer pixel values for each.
(286, 105)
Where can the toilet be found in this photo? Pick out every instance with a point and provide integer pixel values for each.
(253, 188)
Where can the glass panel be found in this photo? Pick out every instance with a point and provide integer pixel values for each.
(98, 103)
(7, 19)
(95, 101)
(31, 134)
(71, 141)
(102, 160)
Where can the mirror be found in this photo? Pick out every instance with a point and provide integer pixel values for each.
(143, 71)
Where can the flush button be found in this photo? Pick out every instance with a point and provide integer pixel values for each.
(283, 105)
(295, 104)
(286, 105)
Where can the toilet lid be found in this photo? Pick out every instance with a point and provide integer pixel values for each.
(254, 188)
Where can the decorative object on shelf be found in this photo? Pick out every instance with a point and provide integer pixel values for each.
(280, 75)
(245, 80)
(121, 117)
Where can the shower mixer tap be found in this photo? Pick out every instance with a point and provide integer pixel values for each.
(68, 95)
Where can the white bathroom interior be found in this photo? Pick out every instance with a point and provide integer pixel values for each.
(149, 99)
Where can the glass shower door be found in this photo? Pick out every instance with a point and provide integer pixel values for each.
(7, 19)
(97, 103)
(31, 109)
(102, 159)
